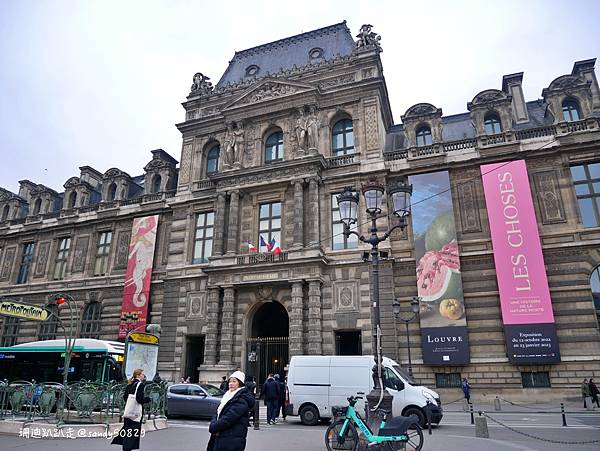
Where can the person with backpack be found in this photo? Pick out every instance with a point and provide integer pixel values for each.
(270, 390)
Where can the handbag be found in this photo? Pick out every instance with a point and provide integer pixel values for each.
(133, 409)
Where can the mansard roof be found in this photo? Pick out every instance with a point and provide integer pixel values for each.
(289, 52)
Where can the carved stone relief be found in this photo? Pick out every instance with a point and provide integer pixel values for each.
(42, 259)
(186, 157)
(469, 211)
(196, 305)
(371, 128)
(341, 80)
(80, 254)
(549, 198)
(269, 91)
(345, 295)
(122, 250)
(9, 257)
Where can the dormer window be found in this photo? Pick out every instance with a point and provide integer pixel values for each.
(37, 206)
(252, 70)
(492, 124)
(156, 183)
(212, 160)
(424, 136)
(570, 109)
(72, 200)
(315, 53)
(112, 192)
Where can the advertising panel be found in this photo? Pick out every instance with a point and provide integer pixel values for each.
(442, 312)
(525, 301)
(136, 290)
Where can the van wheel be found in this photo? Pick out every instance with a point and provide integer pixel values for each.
(309, 415)
(418, 413)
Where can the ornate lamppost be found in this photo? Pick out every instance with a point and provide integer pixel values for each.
(373, 192)
(414, 307)
(60, 299)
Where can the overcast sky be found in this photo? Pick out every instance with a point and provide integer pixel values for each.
(100, 83)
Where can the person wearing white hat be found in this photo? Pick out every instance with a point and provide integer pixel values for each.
(229, 427)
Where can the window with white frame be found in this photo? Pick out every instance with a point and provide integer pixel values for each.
(338, 239)
(62, 255)
(102, 251)
(203, 237)
(269, 227)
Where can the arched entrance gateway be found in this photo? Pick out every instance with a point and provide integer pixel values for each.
(267, 346)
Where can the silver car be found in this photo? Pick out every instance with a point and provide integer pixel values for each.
(193, 400)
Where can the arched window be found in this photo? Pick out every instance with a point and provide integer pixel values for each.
(36, 206)
(5, 211)
(274, 147)
(112, 192)
(156, 183)
(424, 136)
(212, 160)
(595, 283)
(72, 200)
(342, 138)
(48, 327)
(90, 321)
(570, 109)
(492, 124)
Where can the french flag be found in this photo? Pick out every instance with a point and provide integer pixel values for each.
(251, 247)
(263, 243)
(274, 247)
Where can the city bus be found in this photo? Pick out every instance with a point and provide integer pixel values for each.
(43, 361)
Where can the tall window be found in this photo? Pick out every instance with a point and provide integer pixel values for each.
(102, 251)
(342, 138)
(112, 191)
(48, 327)
(274, 147)
(339, 240)
(492, 124)
(424, 137)
(203, 238)
(60, 264)
(37, 206)
(269, 225)
(212, 160)
(156, 183)
(570, 110)
(5, 211)
(10, 331)
(586, 178)
(72, 200)
(25, 263)
(90, 321)
(595, 283)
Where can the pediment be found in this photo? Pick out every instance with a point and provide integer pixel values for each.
(269, 89)
(420, 110)
(566, 82)
(73, 181)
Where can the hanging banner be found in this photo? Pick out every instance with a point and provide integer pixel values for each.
(136, 290)
(442, 312)
(527, 315)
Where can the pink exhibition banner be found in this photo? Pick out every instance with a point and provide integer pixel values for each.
(136, 289)
(522, 283)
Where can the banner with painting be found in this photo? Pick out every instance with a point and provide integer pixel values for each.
(136, 290)
(439, 285)
(529, 326)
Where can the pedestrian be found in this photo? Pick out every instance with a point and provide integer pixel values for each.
(129, 435)
(251, 387)
(586, 394)
(271, 391)
(187, 380)
(229, 427)
(466, 388)
(594, 392)
(157, 379)
(182, 381)
(281, 403)
(224, 384)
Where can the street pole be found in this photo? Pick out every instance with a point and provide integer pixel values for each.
(410, 373)
(414, 304)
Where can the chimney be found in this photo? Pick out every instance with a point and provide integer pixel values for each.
(585, 69)
(512, 85)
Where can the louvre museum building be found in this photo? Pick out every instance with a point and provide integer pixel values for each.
(236, 246)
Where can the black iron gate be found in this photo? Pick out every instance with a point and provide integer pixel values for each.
(267, 355)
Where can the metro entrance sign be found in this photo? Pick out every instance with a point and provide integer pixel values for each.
(23, 311)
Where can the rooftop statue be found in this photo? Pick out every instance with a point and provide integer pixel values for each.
(201, 84)
(367, 38)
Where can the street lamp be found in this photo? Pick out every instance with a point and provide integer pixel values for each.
(373, 192)
(414, 307)
(60, 299)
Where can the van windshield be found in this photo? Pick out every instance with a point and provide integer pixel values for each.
(404, 374)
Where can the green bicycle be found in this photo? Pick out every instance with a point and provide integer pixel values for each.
(399, 433)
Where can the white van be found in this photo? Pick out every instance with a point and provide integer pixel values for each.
(317, 383)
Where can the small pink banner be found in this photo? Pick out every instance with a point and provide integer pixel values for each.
(521, 274)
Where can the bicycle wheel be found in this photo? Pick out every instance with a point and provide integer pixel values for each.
(415, 441)
(347, 442)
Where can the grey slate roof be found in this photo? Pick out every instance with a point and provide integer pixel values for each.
(289, 52)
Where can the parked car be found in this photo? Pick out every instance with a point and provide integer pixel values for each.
(318, 383)
(193, 400)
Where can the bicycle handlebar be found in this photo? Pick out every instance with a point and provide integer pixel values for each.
(352, 400)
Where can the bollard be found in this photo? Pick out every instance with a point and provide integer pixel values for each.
(497, 404)
(428, 413)
(562, 412)
(257, 414)
(471, 412)
(481, 428)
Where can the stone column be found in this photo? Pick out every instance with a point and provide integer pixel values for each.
(298, 213)
(212, 319)
(232, 227)
(227, 327)
(296, 313)
(315, 338)
(313, 212)
(219, 229)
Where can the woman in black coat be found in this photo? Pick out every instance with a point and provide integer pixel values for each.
(229, 427)
(129, 435)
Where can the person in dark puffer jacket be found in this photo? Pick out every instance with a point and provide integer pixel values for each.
(229, 427)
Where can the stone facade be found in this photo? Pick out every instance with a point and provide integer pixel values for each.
(210, 305)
